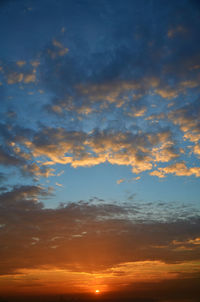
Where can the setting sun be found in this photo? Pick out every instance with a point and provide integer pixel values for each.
(97, 291)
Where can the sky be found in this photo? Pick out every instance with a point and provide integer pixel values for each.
(100, 148)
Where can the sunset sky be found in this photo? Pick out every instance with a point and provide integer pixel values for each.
(100, 148)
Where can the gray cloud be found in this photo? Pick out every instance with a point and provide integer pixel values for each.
(7, 159)
(105, 234)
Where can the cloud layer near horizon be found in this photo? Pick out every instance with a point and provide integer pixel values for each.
(92, 236)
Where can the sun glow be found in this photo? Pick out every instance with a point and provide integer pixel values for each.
(97, 291)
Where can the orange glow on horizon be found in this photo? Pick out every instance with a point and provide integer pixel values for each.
(62, 281)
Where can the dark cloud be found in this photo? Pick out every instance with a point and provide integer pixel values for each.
(90, 237)
(7, 159)
(3, 177)
(184, 288)
(130, 51)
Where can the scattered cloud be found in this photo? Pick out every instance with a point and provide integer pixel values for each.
(119, 181)
(58, 184)
(179, 169)
(57, 49)
(176, 31)
(14, 78)
(21, 63)
(79, 148)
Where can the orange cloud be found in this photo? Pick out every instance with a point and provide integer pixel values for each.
(179, 169)
(88, 149)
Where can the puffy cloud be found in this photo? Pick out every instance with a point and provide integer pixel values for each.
(167, 93)
(15, 155)
(156, 117)
(173, 91)
(8, 159)
(79, 148)
(14, 78)
(28, 78)
(175, 31)
(3, 177)
(20, 196)
(21, 63)
(110, 86)
(57, 49)
(187, 118)
(179, 169)
(138, 112)
(165, 152)
(35, 63)
(58, 184)
(119, 181)
(196, 149)
(37, 170)
(194, 241)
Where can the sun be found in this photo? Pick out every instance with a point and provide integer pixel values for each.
(97, 291)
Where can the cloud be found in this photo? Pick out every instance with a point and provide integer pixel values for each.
(194, 241)
(138, 112)
(3, 177)
(15, 155)
(119, 181)
(156, 117)
(79, 148)
(57, 49)
(167, 93)
(20, 72)
(14, 78)
(34, 152)
(8, 159)
(179, 169)
(106, 234)
(136, 178)
(106, 96)
(21, 63)
(29, 78)
(58, 184)
(33, 169)
(175, 31)
(106, 88)
(187, 118)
